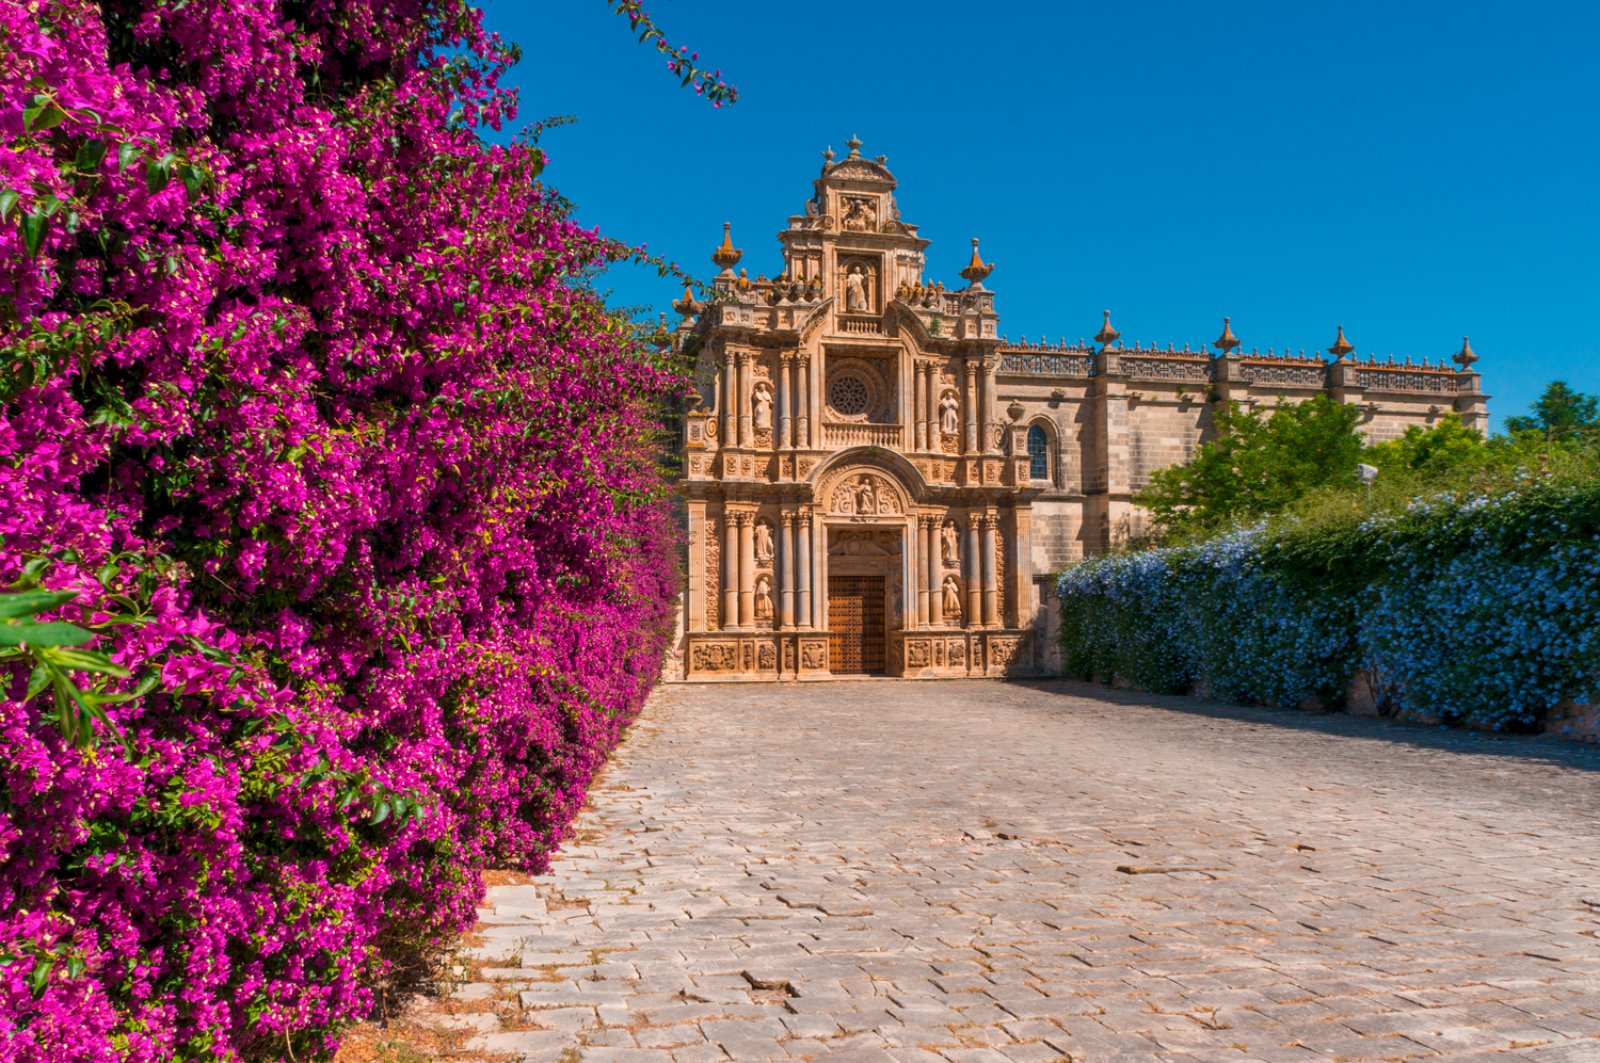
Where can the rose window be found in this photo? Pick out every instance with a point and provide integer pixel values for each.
(848, 396)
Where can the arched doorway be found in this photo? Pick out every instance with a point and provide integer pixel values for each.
(867, 513)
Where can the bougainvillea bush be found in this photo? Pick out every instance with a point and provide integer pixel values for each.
(1477, 606)
(335, 550)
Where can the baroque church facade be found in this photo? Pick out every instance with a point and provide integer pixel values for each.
(877, 482)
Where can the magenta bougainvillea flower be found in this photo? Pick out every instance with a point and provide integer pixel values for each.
(348, 482)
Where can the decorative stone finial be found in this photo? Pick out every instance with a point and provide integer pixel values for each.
(827, 154)
(1227, 341)
(727, 256)
(686, 306)
(1016, 410)
(1341, 347)
(854, 144)
(977, 269)
(1465, 356)
(1107, 335)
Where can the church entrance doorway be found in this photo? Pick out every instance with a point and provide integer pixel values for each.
(857, 633)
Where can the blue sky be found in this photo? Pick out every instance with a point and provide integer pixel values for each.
(1414, 172)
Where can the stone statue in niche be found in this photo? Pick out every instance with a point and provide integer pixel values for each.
(950, 415)
(763, 598)
(761, 399)
(951, 539)
(855, 290)
(952, 597)
(763, 542)
(866, 492)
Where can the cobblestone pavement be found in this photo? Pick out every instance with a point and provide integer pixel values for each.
(986, 871)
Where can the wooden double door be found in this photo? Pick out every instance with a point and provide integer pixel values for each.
(857, 628)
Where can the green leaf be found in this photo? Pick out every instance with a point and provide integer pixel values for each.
(127, 155)
(91, 155)
(193, 178)
(40, 975)
(37, 682)
(28, 603)
(83, 661)
(45, 114)
(33, 226)
(8, 203)
(158, 173)
(54, 633)
(382, 813)
(75, 966)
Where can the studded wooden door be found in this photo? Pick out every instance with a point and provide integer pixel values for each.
(856, 635)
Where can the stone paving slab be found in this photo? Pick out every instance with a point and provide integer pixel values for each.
(1046, 871)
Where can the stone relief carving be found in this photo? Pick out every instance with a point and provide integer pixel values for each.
(716, 657)
(950, 539)
(766, 658)
(814, 656)
(763, 541)
(958, 653)
(916, 654)
(859, 214)
(863, 496)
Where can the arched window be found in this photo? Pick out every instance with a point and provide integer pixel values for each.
(1038, 454)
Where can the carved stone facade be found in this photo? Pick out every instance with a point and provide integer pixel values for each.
(877, 482)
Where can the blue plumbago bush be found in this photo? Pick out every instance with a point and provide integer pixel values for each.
(1479, 608)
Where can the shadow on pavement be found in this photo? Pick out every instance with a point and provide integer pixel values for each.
(1548, 749)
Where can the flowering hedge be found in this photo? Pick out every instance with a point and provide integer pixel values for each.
(1478, 607)
(338, 551)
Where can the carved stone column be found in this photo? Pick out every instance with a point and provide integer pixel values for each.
(935, 433)
(991, 587)
(802, 404)
(974, 572)
(730, 384)
(730, 569)
(786, 568)
(803, 539)
(919, 567)
(989, 418)
(747, 570)
(935, 575)
(974, 415)
(785, 420)
(746, 382)
(819, 582)
(919, 395)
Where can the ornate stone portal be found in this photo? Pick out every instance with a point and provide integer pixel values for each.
(877, 483)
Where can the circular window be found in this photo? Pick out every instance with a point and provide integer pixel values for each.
(848, 395)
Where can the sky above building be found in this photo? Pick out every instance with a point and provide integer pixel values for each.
(1413, 172)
